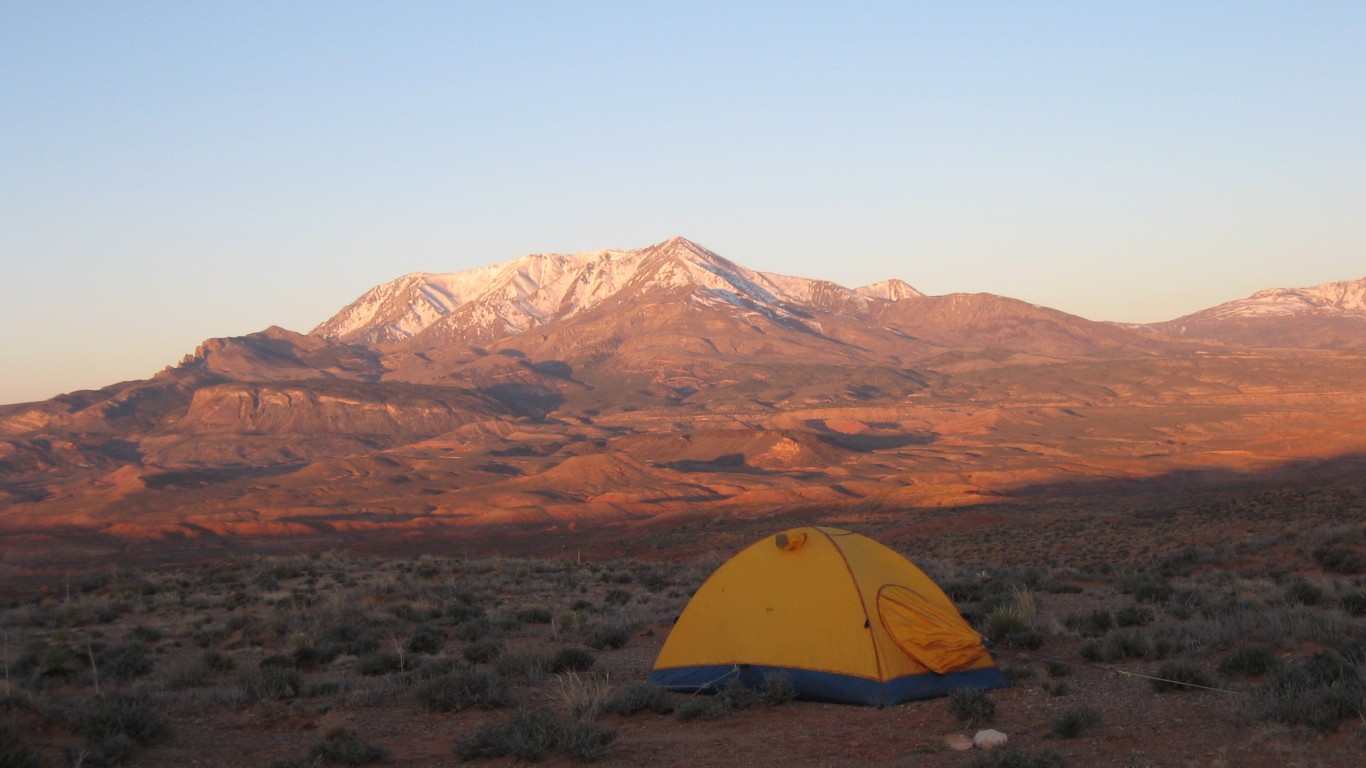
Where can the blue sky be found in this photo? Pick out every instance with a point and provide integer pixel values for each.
(171, 172)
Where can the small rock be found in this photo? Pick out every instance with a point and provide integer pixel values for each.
(958, 742)
(988, 739)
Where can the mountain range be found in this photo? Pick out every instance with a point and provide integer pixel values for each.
(619, 388)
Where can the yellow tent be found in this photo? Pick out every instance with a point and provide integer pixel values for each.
(845, 617)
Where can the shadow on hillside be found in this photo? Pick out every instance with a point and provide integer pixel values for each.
(529, 400)
(199, 478)
(870, 443)
(1099, 517)
(733, 463)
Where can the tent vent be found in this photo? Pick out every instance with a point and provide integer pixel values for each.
(790, 541)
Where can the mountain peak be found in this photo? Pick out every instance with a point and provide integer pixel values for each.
(1346, 297)
(889, 290)
(488, 303)
(1324, 316)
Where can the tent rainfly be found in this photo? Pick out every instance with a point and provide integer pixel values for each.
(846, 618)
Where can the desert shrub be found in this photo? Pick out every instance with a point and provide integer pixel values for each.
(270, 683)
(586, 741)
(381, 663)
(482, 651)
(1320, 692)
(475, 629)
(416, 614)
(701, 707)
(1336, 559)
(778, 688)
(350, 638)
(101, 751)
(1058, 669)
(116, 725)
(462, 689)
(426, 639)
(1133, 616)
(432, 668)
(307, 655)
(1249, 661)
(1126, 645)
(124, 661)
(1149, 589)
(342, 745)
(971, 706)
(217, 661)
(1304, 593)
(1354, 602)
(146, 634)
(459, 613)
(14, 753)
(735, 695)
(47, 659)
(638, 697)
(1074, 722)
(523, 662)
(1183, 604)
(1012, 757)
(208, 636)
(507, 622)
(534, 735)
(653, 578)
(534, 615)
(1183, 562)
(323, 688)
(617, 596)
(1029, 639)
(1094, 624)
(188, 675)
(963, 591)
(1180, 676)
(572, 659)
(277, 661)
(607, 635)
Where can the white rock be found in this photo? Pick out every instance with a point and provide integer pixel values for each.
(988, 739)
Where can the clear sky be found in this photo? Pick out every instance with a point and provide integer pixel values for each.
(173, 171)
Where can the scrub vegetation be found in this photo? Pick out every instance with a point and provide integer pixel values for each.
(330, 659)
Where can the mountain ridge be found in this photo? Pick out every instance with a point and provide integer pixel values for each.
(616, 388)
(1324, 316)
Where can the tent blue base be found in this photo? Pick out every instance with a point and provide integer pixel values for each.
(828, 686)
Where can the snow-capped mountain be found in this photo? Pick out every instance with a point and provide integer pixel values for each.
(513, 297)
(1330, 315)
(1343, 297)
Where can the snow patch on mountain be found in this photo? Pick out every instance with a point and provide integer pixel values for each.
(889, 290)
(533, 290)
(1346, 297)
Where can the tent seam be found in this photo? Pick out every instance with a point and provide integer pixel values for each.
(858, 592)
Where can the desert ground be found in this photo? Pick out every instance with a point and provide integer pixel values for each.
(537, 647)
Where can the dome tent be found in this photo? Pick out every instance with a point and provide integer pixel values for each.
(845, 617)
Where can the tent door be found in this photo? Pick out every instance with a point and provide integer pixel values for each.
(940, 641)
